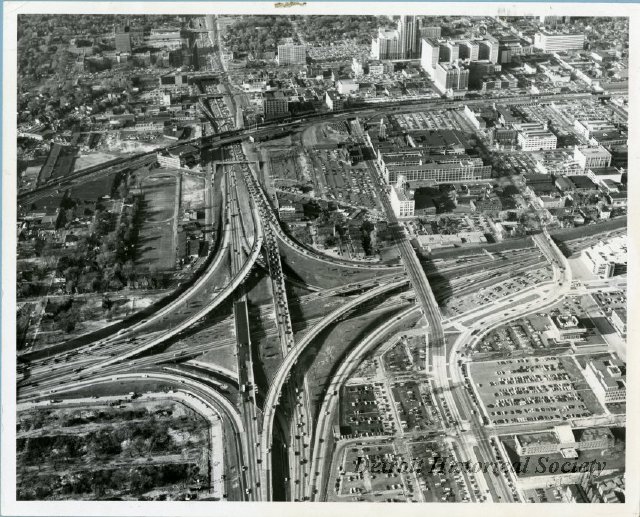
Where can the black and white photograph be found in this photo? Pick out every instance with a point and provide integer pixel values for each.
(300, 257)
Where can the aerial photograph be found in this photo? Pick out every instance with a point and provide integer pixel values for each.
(326, 258)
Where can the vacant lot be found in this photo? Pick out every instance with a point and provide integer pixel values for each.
(157, 241)
(111, 450)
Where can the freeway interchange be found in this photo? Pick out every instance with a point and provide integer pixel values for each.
(253, 237)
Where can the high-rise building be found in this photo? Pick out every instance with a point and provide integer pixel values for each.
(488, 49)
(558, 41)
(292, 54)
(469, 50)
(449, 52)
(429, 56)
(123, 39)
(430, 32)
(451, 77)
(409, 37)
(386, 45)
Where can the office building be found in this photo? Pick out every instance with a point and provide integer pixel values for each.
(469, 50)
(274, 104)
(592, 157)
(430, 32)
(558, 41)
(401, 204)
(449, 52)
(430, 56)
(563, 439)
(333, 100)
(566, 327)
(488, 49)
(292, 54)
(606, 259)
(386, 45)
(409, 37)
(435, 169)
(346, 86)
(535, 137)
(451, 77)
(607, 377)
(619, 321)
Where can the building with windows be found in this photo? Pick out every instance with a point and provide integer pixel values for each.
(607, 377)
(566, 327)
(292, 54)
(549, 41)
(183, 156)
(274, 104)
(586, 127)
(564, 440)
(535, 137)
(386, 45)
(334, 100)
(430, 55)
(592, 157)
(469, 50)
(488, 49)
(619, 321)
(376, 68)
(607, 259)
(346, 86)
(449, 52)
(401, 204)
(430, 32)
(409, 37)
(442, 169)
(451, 77)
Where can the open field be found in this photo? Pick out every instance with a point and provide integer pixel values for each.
(193, 193)
(112, 450)
(157, 242)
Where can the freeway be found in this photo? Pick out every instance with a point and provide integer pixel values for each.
(169, 308)
(247, 398)
(274, 393)
(267, 212)
(125, 351)
(322, 433)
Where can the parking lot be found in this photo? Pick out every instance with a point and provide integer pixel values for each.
(336, 179)
(524, 334)
(365, 411)
(532, 389)
(445, 119)
(499, 290)
(416, 411)
(611, 300)
(439, 478)
(369, 473)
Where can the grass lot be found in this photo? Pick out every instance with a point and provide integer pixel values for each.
(92, 190)
(118, 450)
(157, 241)
(193, 192)
(89, 160)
